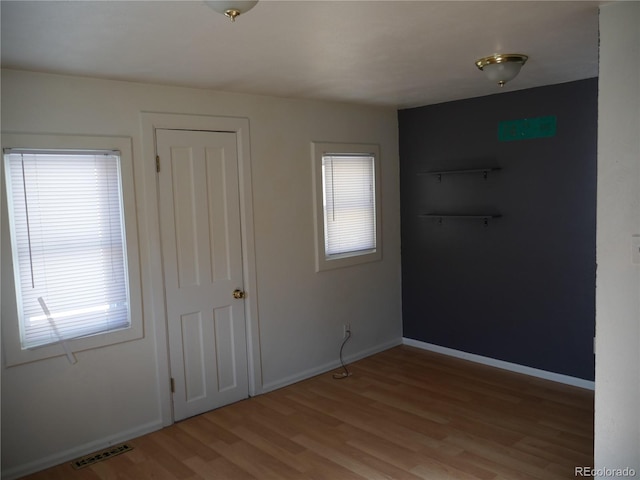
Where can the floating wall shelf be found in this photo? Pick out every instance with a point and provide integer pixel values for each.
(440, 173)
(440, 216)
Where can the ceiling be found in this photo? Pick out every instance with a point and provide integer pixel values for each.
(391, 53)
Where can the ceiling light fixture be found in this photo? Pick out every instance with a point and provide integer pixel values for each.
(231, 8)
(502, 67)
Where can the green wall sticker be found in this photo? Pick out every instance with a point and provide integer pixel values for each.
(527, 128)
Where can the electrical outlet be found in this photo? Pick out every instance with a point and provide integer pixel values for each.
(346, 329)
(635, 249)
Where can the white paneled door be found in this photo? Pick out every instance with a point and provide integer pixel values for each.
(202, 258)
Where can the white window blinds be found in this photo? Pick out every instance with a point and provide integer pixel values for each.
(348, 183)
(67, 231)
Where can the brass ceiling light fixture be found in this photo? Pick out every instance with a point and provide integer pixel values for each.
(502, 67)
(231, 8)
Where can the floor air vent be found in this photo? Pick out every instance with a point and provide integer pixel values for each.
(99, 456)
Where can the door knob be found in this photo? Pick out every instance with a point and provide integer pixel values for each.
(237, 293)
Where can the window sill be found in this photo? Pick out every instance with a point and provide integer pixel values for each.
(347, 260)
(18, 356)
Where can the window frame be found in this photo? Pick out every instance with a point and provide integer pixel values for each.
(324, 262)
(14, 354)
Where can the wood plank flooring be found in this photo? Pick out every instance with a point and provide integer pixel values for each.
(403, 414)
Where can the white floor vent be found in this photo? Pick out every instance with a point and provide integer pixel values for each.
(99, 456)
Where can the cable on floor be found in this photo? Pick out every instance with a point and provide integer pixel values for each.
(346, 373)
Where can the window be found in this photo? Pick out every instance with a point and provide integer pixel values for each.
(347, 204)
(69, 245)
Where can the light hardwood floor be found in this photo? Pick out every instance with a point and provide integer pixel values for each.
(403, 414)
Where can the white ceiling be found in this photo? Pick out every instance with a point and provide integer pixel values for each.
(394, 53)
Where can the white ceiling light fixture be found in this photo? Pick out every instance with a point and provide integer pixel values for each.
(502, 67)
(231, 8)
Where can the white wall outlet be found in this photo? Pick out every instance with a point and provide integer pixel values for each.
(635, 249)
(346, 329)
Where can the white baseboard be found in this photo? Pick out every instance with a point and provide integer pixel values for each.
(76, 452)
(513, 367)
(312, 372)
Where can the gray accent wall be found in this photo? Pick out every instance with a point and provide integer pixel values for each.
(520, 288)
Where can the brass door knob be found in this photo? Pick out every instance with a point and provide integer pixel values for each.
(237, 293)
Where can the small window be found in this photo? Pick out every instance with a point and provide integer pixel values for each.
(347, 205)
(67, 232)
(69, 245)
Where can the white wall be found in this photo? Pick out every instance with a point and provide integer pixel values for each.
(617, 407)
(52, 411)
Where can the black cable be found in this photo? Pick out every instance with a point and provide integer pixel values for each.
(346, 373)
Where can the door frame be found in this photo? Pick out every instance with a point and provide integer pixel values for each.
(150, 122)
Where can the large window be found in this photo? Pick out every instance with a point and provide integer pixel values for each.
(68, 244)
(347, 204)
